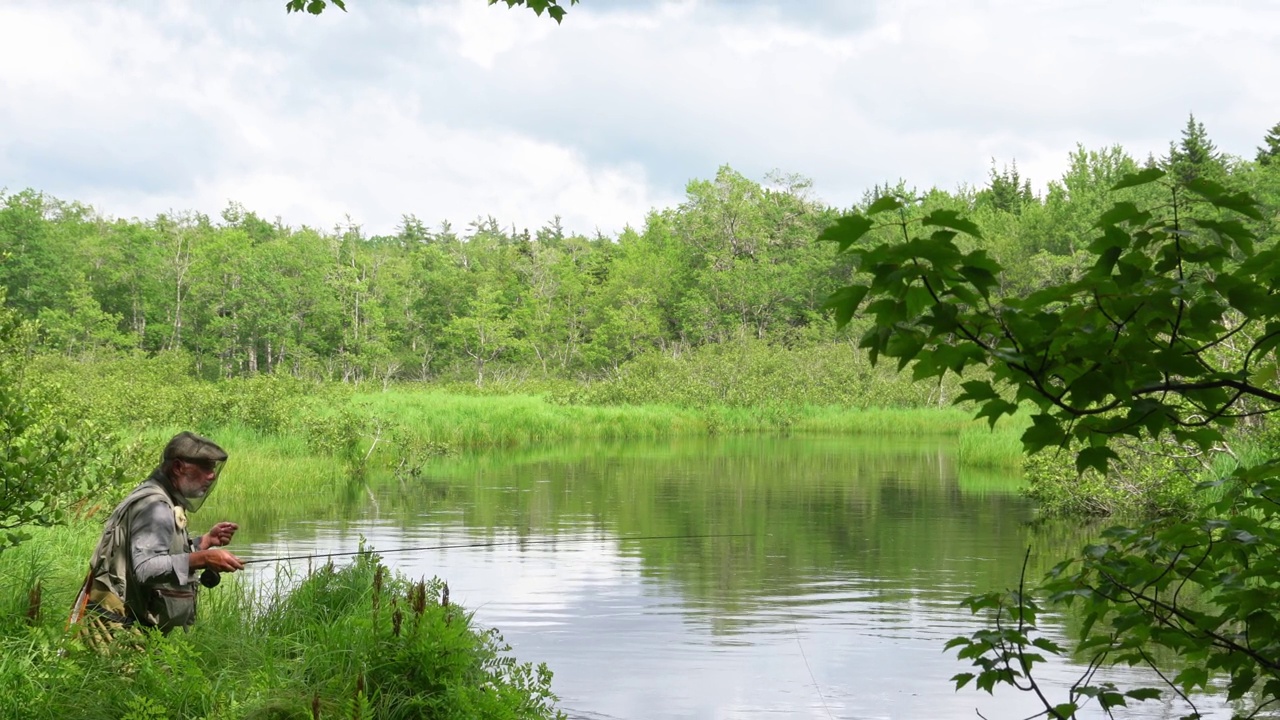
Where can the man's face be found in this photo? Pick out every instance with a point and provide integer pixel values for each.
(193, 478)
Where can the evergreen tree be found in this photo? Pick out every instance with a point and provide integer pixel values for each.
(1195, 156)
(1270, 151)
(1008, 191)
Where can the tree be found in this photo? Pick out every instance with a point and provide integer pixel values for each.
(1170, 334)
(1007, 191)
(1195, 156)
(485, 333)
(1270, 150)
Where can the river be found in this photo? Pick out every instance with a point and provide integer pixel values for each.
(833, 598)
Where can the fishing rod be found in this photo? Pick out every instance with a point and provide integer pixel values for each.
(458, 546)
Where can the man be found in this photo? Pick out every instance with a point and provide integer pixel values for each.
(144, 570)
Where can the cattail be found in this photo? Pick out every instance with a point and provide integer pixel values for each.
(33, 603)
(420, 598)
(444, 603)
(377, 588)
(396, 619)
(315, 707)
(359, 699)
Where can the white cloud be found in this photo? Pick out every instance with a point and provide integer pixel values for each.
(452, 109)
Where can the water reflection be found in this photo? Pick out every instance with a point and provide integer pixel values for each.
(835, 604)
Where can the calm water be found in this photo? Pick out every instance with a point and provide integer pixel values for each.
(835, 604)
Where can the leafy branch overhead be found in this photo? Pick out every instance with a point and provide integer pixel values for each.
(1173, 328)
(553, 8)
(1169, 332)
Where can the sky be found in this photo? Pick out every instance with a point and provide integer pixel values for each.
(454, 110)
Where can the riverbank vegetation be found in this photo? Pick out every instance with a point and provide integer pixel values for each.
(356, 641)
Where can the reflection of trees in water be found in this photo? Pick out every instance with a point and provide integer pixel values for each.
(812, 507)
(885, 519)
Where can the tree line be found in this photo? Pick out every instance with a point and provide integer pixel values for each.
(243, 295)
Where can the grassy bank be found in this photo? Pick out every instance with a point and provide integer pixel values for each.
(464, 422)
(350, 642)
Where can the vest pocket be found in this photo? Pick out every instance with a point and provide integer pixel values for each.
(174, 607)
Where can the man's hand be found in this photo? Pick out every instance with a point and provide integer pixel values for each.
(218, 535)
(219, 560)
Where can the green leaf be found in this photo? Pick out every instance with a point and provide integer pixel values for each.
(951, 219)
(1241, 683)
(1191, 677)
(1122, 212)
(1045, 431)
(1066, 710)
(981, 279)
(845, 302)
(1144, 694)
(962, 679)
(884, 204)
(847, 230)
(1142, 177)
(994, 409)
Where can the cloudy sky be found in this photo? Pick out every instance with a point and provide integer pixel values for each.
(451, 109)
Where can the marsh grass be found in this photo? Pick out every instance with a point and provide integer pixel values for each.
(998, 448)
(512, 421)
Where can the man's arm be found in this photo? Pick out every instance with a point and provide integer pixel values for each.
(152, 532)
(150, 535)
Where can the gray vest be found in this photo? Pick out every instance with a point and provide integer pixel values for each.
(113, 585)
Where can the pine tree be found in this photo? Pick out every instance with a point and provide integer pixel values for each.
(1008, 191)
(1194, 157)
(1270, 151)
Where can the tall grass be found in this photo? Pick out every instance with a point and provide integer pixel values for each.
(511, 421)
(351, 642)
(998, 447)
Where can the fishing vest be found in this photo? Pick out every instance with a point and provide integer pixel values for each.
(112, 586)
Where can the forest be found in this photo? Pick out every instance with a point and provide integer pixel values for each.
(736, 261)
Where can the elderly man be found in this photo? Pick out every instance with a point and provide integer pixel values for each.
(143, 572)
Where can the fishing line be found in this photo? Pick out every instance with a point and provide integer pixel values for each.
(459, 546)
(795, 626)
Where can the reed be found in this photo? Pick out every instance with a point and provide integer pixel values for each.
(463, 421)
(999, 447)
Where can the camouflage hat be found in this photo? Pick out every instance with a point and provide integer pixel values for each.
(189, 446)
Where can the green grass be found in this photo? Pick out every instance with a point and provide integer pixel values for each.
(468, 421)
(1001, 447)
(332, 641)
(464, 421)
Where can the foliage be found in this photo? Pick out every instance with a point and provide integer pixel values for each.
(242, 297)
(553, 8)
(1170, 333)
(745, 372)
(1270, 150)
(49, 459)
